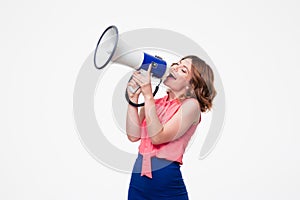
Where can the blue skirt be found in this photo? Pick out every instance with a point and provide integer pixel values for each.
(166, 182)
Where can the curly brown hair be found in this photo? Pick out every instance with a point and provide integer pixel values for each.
(202, 82)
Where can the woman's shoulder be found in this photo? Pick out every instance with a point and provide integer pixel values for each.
(191, 105)
(191, 102)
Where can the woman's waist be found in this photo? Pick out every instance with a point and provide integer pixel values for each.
(156, 160)
(170, 153)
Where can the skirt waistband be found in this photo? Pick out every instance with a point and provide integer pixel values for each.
(158, 163)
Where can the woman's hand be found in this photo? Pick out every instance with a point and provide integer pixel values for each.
(144, 81)
(133, 96)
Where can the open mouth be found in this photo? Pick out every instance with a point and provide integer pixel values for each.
(171, 75)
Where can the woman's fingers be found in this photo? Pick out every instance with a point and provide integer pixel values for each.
(132, 83)
(149, 71)
(133, 88)
(143, 80)
(140, 79)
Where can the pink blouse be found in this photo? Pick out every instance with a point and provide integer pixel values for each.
(173, 150)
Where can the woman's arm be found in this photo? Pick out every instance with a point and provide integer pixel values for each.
(186, 116)
(133, 119)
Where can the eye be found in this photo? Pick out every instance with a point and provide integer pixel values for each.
(184, 71)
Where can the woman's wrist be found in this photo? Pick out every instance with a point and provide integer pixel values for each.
(149, 98)
(134, 99)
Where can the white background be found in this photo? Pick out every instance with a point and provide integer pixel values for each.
(253, 44)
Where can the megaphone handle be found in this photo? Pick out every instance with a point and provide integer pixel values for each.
(133, 90)
(140, 104)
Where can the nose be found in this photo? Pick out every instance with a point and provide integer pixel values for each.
(175, 67)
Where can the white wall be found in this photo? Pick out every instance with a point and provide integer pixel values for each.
(253, 44)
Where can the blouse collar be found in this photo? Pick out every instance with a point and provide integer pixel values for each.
(176, 100)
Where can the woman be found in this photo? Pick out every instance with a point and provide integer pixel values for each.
(165, 125)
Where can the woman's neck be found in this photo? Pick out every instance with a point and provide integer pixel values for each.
(174, 95)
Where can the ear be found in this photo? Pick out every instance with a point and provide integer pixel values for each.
(189, 91)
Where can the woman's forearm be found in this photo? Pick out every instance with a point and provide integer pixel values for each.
(133, 123)
(154, 126)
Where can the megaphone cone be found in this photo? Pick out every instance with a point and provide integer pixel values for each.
(110, 48)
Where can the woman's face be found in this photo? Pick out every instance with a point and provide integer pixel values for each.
(180, 75)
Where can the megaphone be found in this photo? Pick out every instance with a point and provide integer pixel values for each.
(110, 48)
